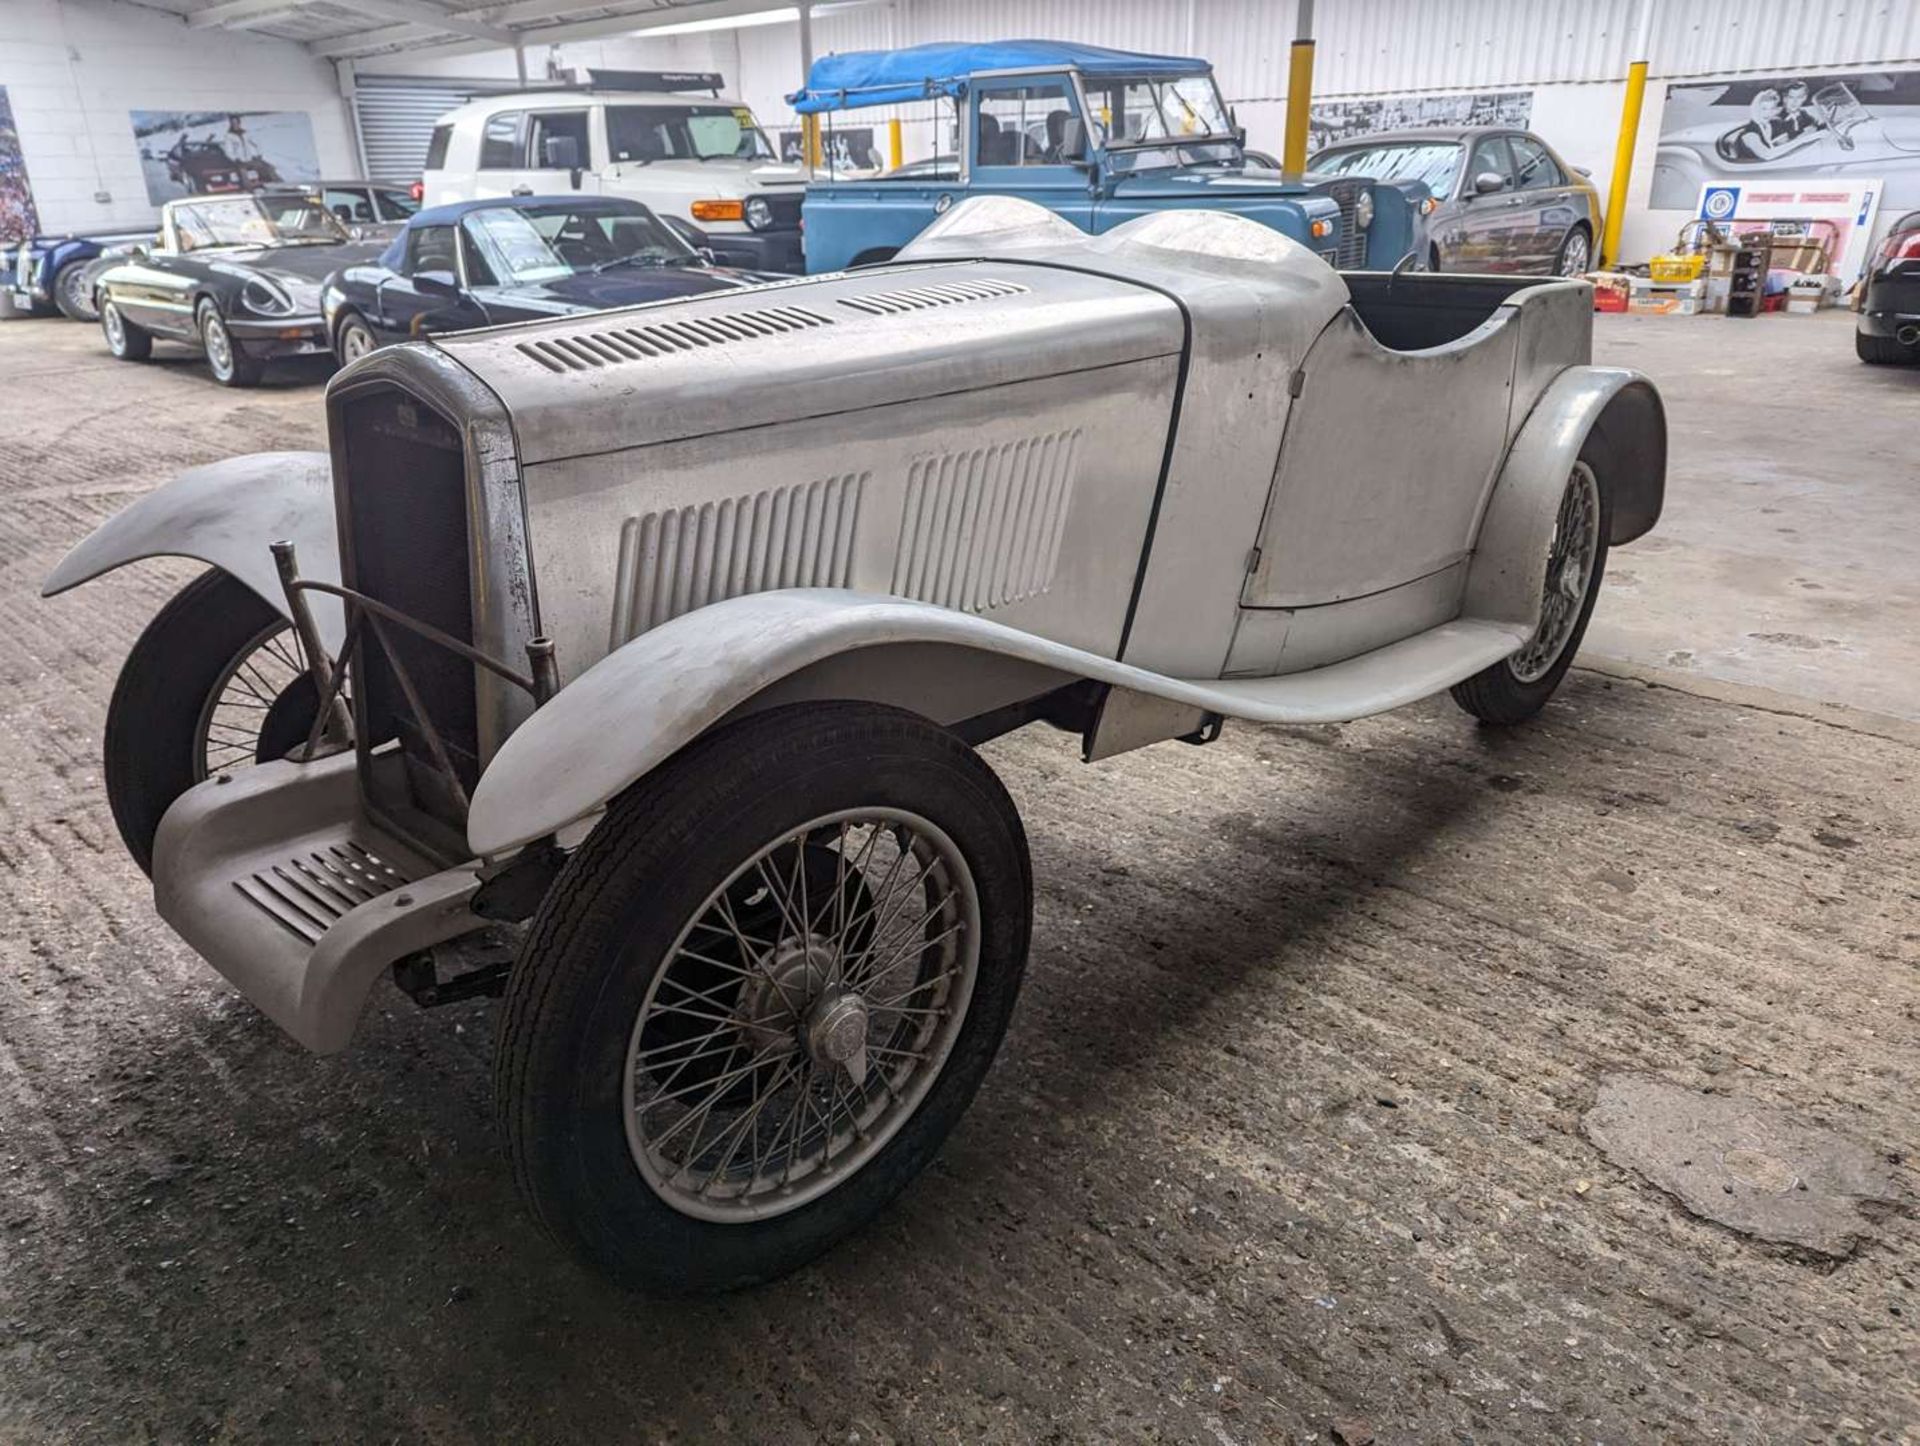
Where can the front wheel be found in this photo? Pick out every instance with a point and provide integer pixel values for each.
(354, 339)
(231, 367)
(214, 683)
(125, 340)
(761, 993)
(1516, 688)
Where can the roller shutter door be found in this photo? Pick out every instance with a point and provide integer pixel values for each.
(396, 115)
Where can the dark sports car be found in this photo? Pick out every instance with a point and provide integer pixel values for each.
(53, 271)
(514, 258)
(1888, 300)
(237, 276)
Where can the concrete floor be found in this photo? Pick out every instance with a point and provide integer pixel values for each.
(1289, 1140)
(1789, 553)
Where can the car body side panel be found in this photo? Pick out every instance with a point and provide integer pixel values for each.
(1386, 460)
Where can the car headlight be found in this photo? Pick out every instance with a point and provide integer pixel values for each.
(759, 213)
(263, 297)
(1363, 210)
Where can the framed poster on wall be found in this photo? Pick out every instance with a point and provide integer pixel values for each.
(197, 153)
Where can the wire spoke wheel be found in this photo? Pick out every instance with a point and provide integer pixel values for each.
(1570, 559)
(802, 1014)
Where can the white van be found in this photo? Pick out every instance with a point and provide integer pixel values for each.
(699, 159)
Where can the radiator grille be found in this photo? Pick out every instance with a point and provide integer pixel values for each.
(408, 547)
(643, 341)
(939, 293)
(308, 892)
(1350, 247)
(674, 561)
(982, 527)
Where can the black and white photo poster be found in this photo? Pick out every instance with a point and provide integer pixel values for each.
(196, 153)
(1848, 127)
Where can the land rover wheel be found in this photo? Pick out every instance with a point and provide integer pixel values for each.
(1513, 690)
(125, 340)
(214, 683)
(231, 367)
(761, 993)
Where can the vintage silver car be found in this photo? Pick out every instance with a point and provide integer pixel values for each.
(669, 633)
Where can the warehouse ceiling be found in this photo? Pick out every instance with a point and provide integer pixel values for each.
(352, 29)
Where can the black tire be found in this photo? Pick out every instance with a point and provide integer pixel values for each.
(353, 338)
(125, 340)
(1576, 233)
(231, 366)
(1883, 350)
(72, 292)
(607, 928)
(153, 738)
(1497, 694)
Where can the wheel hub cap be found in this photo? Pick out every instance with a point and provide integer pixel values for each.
(836, 1033)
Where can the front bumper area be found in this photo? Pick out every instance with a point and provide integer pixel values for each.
(274, 875)
(777, 250)
(268, 338)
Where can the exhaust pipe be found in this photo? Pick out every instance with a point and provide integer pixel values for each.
(1908, 336)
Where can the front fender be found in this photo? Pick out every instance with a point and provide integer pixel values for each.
(1613, 406)
(226, 514)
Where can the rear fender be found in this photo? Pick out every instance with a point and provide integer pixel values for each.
(226, 514)
(1615, 416)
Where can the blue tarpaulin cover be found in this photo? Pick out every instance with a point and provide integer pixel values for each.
(892, 77)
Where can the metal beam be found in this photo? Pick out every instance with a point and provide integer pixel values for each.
(234, 10)
(412, 12)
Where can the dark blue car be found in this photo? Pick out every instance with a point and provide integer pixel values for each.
(514, 258)
(52, 271)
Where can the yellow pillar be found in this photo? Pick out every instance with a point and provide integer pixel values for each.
(810, 139)
(896, 152)
(1623, 162)
(1293, 155)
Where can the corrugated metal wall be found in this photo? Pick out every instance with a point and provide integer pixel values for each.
(1373, 47)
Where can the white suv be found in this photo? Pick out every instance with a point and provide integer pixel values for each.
(699, 159)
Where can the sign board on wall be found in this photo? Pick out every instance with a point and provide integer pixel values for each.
(196, 153)
(1817, 209)
(1753, 130)
(1333, 121)
(18, 217)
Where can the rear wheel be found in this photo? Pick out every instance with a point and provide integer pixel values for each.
(124, 339)
(231, 367)
(72, 292)
(214, 683)
(1575, 257)
(761, 993)
(1516, 688)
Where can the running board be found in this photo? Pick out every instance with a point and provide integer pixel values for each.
(1402, 672)
(274, 875)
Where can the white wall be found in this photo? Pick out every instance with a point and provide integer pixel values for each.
(73, 70)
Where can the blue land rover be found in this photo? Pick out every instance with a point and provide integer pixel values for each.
(1099, 136)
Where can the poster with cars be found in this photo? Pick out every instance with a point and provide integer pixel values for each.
(197, 153)
(1845, 127)
(1333, 121)
(18, 218)
(843, 149)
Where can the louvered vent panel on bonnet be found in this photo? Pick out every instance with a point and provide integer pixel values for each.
(982, 527)
(683, 558)
(616, 345)
(937, 293)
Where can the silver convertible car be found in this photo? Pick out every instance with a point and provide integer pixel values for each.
(632, 665)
